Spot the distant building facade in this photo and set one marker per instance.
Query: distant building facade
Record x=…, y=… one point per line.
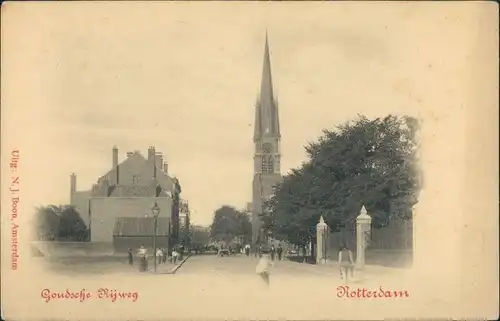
x=200, y=235
x=128, y=190
x=184, y=214
x=132, y=232
x=267, y=151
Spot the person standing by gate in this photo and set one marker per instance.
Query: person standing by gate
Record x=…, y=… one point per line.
x=346, y=263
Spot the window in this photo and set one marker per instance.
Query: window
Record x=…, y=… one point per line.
x=135, y=179
x=264, y=164
x=267, y=164
x=270, y=164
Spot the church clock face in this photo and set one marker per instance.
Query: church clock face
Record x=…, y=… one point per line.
x=267, y=148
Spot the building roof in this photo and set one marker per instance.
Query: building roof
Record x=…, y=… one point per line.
x=140, y=226
x=137, y=160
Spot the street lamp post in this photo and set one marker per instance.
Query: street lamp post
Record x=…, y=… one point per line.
x=156, y=212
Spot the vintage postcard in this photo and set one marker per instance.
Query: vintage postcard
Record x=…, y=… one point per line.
x=249, y=160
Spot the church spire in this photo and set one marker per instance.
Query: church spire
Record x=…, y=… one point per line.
x=266, y=86
x=266, y=114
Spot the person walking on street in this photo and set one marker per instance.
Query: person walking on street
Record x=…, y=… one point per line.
x=273, y=252
x=175, y=255
x=247, y=249
x=143, y=257
x=130, y=257
x=159, y=255
x=165, y=254
x=346, y=263
x=181, y=252
x=262, y=268
x=280, y=252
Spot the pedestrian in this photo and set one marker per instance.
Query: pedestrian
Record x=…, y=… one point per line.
x=175, y=255
x=273, y=252
x=260, y=250
x=159, y=255
x=247, y=249
x=280, y=252
x=181, y=252
x=130, y=257
x=262, y=268
x=165, y=254
x=143, y=257
x=346, y=263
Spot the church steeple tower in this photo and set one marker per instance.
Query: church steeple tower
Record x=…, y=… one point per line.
x=267, y=145
x=266, y=111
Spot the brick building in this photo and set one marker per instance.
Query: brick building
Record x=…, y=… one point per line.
x=128, y=190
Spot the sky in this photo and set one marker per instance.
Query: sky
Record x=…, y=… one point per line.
x=184, y=77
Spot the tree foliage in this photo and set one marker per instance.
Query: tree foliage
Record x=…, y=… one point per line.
x=47, y=222
x=363, y=162
x=61, y=222
x=229, y=223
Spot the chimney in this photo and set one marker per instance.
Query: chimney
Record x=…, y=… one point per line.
x=159, y=160
x=165, y=167
x=151, y=153
x=116, y=177
x=72, y=184
x=105, y=186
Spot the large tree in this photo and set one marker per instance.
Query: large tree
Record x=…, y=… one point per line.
x=71, y=226
x=363, y=162
x=60, y=222
x=47, y=222
x=229, y=223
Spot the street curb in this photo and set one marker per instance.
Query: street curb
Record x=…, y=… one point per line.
x=179, y=266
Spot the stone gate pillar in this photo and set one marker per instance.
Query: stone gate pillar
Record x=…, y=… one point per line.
x=363, y=226
x=321, y=241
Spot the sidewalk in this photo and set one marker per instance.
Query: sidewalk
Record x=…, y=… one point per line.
x=168, y=268
x=369, y=274
x=332, y=264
